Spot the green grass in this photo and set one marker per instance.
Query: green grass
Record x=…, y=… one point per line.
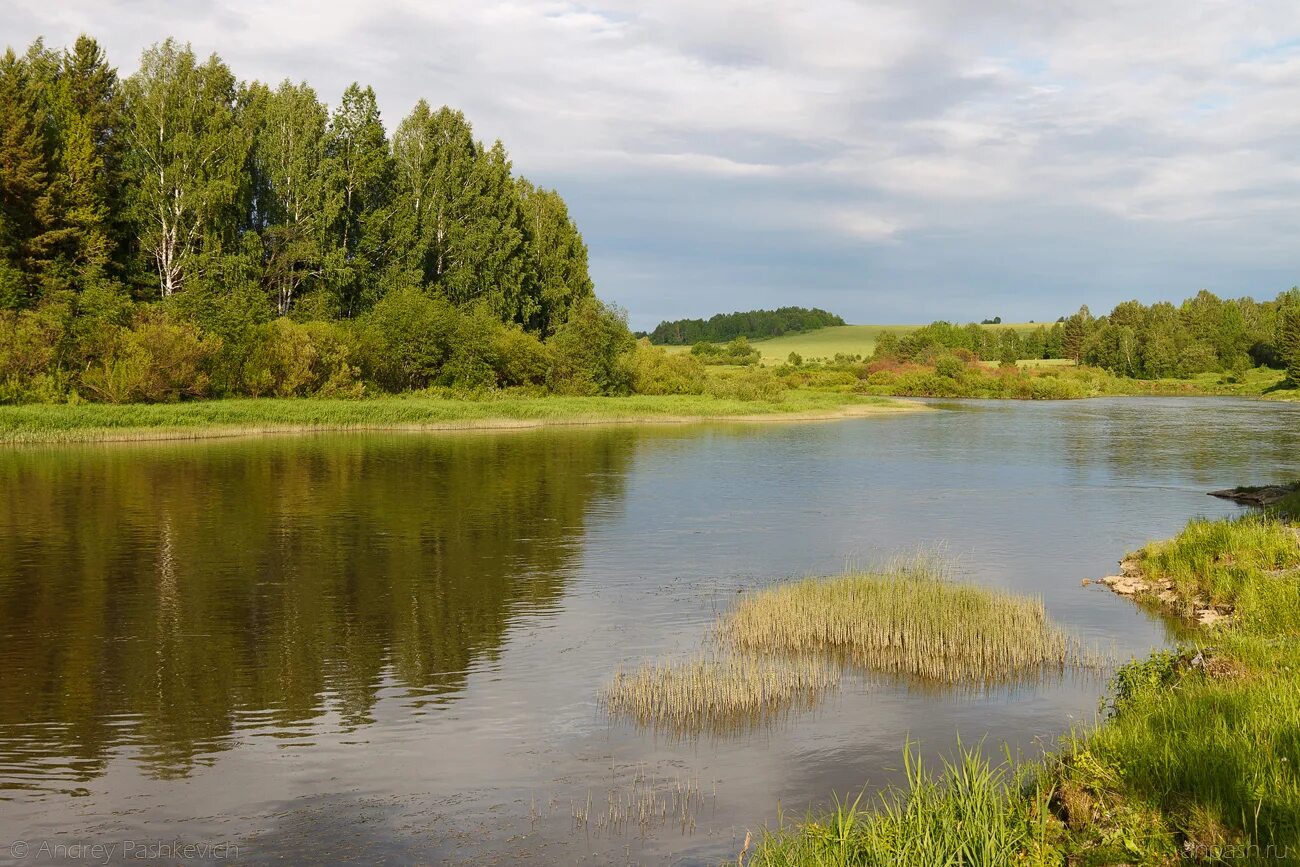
x=1196, y=758
x=972, y=812
x=36, y=423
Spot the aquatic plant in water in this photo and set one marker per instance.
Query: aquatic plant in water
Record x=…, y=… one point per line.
x=784, y=647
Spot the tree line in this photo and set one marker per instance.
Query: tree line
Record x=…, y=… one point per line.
x=180, y=221
x=751, y=324
x=1202, y=334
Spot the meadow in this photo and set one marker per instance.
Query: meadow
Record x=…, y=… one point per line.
x=826, y=343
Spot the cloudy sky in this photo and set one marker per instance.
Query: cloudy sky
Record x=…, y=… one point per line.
x=890, y=161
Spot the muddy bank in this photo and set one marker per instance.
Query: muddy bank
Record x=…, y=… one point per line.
x=1260, y=496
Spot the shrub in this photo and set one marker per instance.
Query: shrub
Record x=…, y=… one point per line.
x=948, y=366
x=752, y=384
x=521, y=358
x=654, y=371
x=157, y=360
x=588, y=351
x=737, y=351
x=290, y=359
x=29, y=341
x=405, y=339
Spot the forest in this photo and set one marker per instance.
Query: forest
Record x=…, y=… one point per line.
x=1204, y=334
x=182, y=233
x=751, y=324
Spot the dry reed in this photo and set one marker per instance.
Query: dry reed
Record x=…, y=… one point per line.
x=717, y=693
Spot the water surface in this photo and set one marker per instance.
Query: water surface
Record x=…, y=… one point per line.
x=352, y=647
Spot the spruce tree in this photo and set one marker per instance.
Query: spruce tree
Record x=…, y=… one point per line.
x=86, y=188
x=494, y=243
x=24, y=182
x=1288, y=340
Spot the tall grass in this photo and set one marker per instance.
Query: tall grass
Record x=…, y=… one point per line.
x=782, y=648
x=971, y=813
x=1250, y=565
x=911, y=621
x=717, y=693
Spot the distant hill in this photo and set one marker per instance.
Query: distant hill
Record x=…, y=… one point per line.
x=753, y=324
x=826, y=343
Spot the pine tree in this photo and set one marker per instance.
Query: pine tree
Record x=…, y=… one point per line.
x=187, y=160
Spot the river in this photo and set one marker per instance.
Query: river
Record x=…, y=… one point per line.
x=376, y=648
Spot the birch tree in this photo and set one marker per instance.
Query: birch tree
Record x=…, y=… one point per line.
x=361, y=169
x=295, y=196
x=556, y=254
x=187, y=158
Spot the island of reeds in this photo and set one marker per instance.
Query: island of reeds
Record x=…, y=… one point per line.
x=783, y=647
x=1193, y=761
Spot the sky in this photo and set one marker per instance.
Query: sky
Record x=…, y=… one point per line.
x=890, y=161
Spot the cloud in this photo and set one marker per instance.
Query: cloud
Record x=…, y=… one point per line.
x=850, y=154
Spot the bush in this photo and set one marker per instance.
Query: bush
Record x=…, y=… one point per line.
x=752, y=384
x=290, y=359
x=948, y=366
x=737, y=351
x=29, y=341
x=588, y=351
x=405, y=339
x=521, y=358
x=157, y=360
x=654, y=371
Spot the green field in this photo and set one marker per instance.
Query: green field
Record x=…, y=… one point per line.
x=825, y=343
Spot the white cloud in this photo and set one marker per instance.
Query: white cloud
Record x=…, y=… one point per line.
x=959, y=115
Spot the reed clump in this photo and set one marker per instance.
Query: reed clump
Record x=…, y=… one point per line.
x=781, y=649
x=717, y=693
x=911, y=621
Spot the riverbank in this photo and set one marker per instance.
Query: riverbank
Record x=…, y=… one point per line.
x=56, y=423
x=1195, y=759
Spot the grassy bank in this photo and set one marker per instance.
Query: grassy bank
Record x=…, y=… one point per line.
x=1195, y=759
x=37, y=423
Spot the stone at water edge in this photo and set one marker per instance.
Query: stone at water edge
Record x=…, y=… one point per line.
x=1125, y=585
